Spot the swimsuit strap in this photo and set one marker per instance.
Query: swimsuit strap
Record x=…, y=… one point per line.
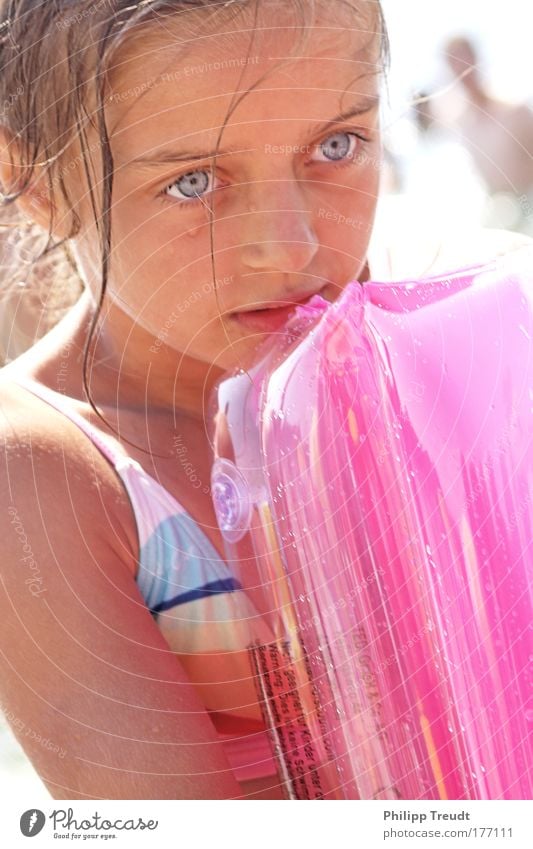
x=108, y=445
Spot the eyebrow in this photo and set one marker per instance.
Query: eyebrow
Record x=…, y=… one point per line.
x=165, y=156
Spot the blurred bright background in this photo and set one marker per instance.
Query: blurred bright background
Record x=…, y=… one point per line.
x=419, y=30
x=456, y=163
x=464, y=157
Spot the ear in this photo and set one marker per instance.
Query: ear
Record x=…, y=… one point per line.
x=35, y=202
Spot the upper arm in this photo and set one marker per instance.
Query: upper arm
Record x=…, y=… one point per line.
x=93, y=693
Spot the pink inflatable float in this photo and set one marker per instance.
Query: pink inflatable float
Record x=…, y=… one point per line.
x=373, y=482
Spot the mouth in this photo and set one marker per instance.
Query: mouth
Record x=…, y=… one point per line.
x=271, y=316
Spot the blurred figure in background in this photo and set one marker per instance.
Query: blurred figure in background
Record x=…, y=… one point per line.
x=499, y=136
x=430, y=187
x=440, y=170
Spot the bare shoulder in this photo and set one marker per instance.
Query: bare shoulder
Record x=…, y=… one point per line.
x=50, y=463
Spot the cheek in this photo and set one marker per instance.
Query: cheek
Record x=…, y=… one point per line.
x=345, y=225
x=344, y=229
x=153, y=248
x=158, y=239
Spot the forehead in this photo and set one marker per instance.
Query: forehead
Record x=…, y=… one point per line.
x=179, y=80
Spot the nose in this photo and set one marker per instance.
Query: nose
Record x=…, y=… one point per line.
x=277, y=234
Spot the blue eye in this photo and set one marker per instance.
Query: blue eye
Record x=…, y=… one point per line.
x=191, y=187
x=340, y=147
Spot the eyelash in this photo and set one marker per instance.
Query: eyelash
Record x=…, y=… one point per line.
x=162, y=195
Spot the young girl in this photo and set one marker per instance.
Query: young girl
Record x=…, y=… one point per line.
x=209, y=165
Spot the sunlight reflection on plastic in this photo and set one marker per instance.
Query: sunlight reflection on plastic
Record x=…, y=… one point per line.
x=383, y=448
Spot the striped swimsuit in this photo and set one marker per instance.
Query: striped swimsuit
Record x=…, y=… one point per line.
x=196, y=601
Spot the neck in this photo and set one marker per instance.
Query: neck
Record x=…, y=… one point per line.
x=122, y=373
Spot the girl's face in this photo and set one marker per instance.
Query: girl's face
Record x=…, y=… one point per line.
x=292, y=192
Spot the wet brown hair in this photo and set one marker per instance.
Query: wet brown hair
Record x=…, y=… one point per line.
x=56, y=56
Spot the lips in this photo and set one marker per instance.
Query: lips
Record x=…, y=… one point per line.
x=280, y=303
x=271, y=316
